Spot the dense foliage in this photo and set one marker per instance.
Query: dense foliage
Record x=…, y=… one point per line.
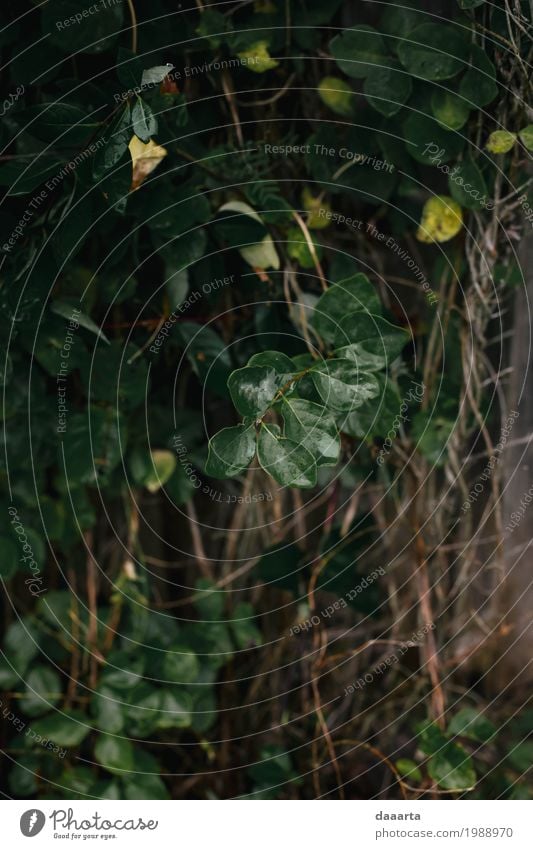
x=239, y=246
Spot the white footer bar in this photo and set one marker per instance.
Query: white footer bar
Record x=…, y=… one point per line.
x=268, y=825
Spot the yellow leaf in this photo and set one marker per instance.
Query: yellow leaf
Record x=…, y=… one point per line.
x=336, y=94
x=442, y=218
x=316, y=211
x=501, y=141
x=257, y=58
x=145, y=158
x=526, y=136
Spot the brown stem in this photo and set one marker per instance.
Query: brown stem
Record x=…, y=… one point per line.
x=92, y=627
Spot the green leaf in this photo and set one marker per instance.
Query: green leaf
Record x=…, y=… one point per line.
x=431, y=437
x=351, y=295
x=387, y=89
x=122, y=671
x=230, y=451
x=252, y=389
x=67, y=731
x=434, y=52
x=467, y=185
x=470, y=4
x=450, y=110
x=142, y=712
x=116, y=139
x=451, y=767
x=180, y=666
x=526, y=136
x=64, y=307
x=89, y=33
x=342, y=385
x=60, y=123
x=139, y=786
x=313, y=427
x=209, y=600
x=369, y=340
x=471, y=724
x=237, y=224
x=478, y=85
x=152, y=469
x=299, y=250
x=428, y=142
x=22, y=777
x=357, y=50
x=21, y=644
x=263, y=254
x=9, y=558
x=289, y=463
x=175, y=710
x=375, y=417
x=143, y=122
x=521, y=756
x=281, y=363
x=43, y=690
x=207, y=354
x=116, y=375
x=409, y=770
x=108, y=711
x=242, y=624
x=500, y=141
x=23, y=177
x=144, y=782
x=399, y=21
x=8, y=676
x=114, y=753
x=337, y=95
x=92, y=446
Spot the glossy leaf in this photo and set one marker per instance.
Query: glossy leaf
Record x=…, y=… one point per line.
x=230, y=451
x=313, y=427
x=144, y=124
x=351, y=295
x=369, y=340
x=289, y=463
x=115, y=143
x=342, y=386
x=253, y=389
